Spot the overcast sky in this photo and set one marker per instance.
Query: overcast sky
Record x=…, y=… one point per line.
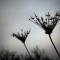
x=14, y=15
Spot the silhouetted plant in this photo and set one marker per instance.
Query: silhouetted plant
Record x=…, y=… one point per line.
x=37, y=53
x=22, y=37
x=40, y=55
x=47, y=24
x=7, y=55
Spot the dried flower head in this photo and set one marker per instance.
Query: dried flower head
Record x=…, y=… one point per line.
x=48, y=24
x=22, y=37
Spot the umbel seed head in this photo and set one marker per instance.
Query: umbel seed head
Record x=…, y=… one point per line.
x=22, y=37
x=48, y=24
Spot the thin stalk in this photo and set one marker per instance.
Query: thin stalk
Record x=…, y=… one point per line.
x=27, y=50
x=54, y=46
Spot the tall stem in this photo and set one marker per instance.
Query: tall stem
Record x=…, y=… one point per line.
x=27, y=50
x=54, y=46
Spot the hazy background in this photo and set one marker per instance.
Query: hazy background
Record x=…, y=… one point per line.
x=14, y=15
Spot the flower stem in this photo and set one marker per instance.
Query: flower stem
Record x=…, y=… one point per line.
x=54, y=46
x=27, y=50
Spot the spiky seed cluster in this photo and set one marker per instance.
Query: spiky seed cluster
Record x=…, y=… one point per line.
x=48, y=23
x=22, y=37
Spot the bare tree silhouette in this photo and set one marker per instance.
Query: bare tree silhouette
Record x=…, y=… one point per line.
x=22, y=37
x=47, y=25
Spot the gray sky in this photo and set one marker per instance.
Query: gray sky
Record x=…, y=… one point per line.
x=14, y=15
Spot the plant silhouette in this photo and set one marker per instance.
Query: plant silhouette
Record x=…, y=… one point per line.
x=22, y=37
x=47, y=24
x=40, y=55
x=7, y=55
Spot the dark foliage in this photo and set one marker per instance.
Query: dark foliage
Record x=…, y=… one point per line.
x=6, y=55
